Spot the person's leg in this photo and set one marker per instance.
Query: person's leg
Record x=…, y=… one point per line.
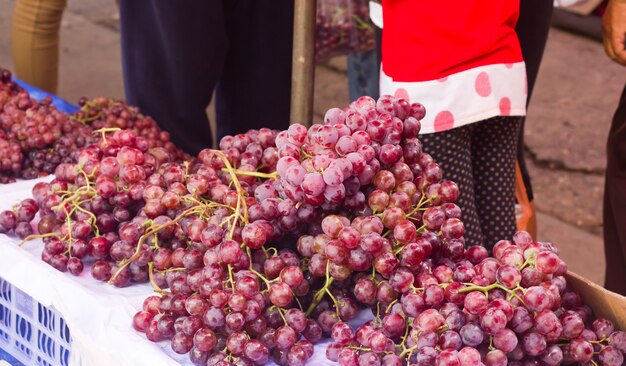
x=172, y=56
x=364, y=72
x=452, y=151
x=254, y=90
x=35, y=42
x=615, y=203
x=363, y=75
x=532, y=30
x=494, y=149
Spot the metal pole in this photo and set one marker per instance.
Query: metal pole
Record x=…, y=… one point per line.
x=303, y=62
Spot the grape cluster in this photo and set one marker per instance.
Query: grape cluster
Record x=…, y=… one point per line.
x=10, y=152
x=342, y=27
x=35, y=137
x=27, y=127
x=262, y=248
x=85, y=210
x=330, y=167
x=33, y=125
x=10, y=158
x=103, y=112
x=376, y=225
x=75, y=136
x=472, y=309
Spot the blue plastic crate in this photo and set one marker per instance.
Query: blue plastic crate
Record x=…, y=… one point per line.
x=30, y=332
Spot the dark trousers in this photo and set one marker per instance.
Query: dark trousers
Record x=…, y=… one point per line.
x=615, y=202
x=532, y=30
x=175, y=54
x=480, y=159
x=364, y=71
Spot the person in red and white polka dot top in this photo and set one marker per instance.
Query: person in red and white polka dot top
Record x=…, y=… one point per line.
x=462, y=61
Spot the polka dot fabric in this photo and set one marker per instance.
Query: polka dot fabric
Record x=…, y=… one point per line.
x=465, y=97
x=452, y=150
x=480, y=158
x=483, y=85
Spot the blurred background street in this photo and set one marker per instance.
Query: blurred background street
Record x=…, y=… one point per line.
x=576, y=93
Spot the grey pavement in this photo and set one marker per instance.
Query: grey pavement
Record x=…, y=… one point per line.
x=575, y=95
x=577, y=90
x=90, y=52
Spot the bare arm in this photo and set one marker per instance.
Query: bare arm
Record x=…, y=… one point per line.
x=614, y=31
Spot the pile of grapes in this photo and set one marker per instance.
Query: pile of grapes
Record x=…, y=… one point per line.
x=27, y=129
x=35, y=137
x=104, y=113
x=260, y=249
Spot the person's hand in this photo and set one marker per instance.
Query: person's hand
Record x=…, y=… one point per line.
x=614, y=31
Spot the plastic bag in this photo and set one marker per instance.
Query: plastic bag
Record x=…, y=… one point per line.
x=342, y=27
x=525, y=209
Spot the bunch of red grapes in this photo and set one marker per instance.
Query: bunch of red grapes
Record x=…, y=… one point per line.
x=467, y=308
x=262, y=248
x=342, y=27
x=35, y=137
x=26, y=127
x=102, y=113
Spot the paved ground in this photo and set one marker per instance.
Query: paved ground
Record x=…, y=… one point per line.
x=568, y=121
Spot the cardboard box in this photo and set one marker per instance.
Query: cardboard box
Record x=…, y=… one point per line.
x=604, y=303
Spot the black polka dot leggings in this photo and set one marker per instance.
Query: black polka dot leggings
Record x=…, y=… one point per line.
x=480, y=158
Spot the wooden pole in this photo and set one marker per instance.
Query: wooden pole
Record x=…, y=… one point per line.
x=303, y=62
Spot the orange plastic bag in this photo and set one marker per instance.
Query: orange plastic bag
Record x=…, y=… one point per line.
x=526, y=216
